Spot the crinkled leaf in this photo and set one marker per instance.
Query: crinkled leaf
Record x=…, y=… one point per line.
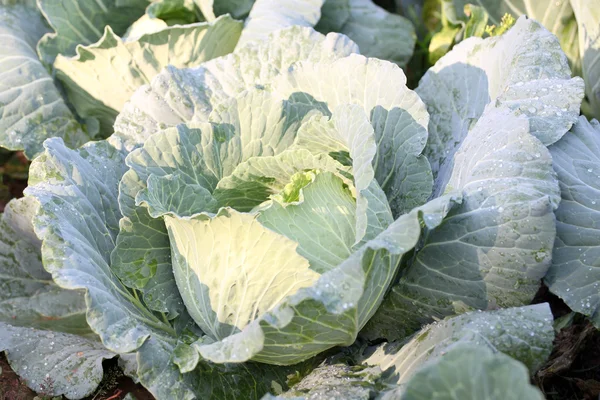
x=54, y=363
x=524, y=70
x=377, y=33
x=588, y=21
x=575, y=272
x=268, y=16
x=255, y=180
x=396, y=113
x=470, y=372
x=254, y=124
x=491, y=251
x=31, y=106
x=182, y=95
x=103, y=76
x=82, y=22
x=524, y=333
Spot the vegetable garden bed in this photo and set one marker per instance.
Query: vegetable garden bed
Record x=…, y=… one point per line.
x=314, y=199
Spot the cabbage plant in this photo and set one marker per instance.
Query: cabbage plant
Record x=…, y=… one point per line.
x=274, y=194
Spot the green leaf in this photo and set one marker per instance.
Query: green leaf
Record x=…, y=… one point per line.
x=524, y=333
x=268, y=16
x=492, y=250
x=398, y=117
x=377, y=33
x=82, y=22
x=588, y=21
x=552, y=14
x=575, y=274
x=28, y=296
x=103, y=76
x=238, y=9
x=182, y=95
x=31, y=106
x=535, y=82
x=54, y=363
x=477, y=22
x=471, y=372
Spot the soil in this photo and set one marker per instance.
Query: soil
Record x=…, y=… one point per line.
x=573, y=370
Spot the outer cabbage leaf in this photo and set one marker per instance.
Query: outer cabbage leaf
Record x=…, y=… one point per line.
x=78, y=223
x=524, y=70
x=575, y=272
x=494, y=249
x=188, y=95
x=377, y=33
x=470, y=372
x=103, y=76
x=28, y=296
x=425, y=367
x=524, y=333
x=71, y=363
x=31, y=106
x=82, y=22
x=588, y=20
x=268, y=16
x=398, y=117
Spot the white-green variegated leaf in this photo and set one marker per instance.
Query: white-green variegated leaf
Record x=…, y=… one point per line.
x=54, y=363
x=28, y=296
x=31, y=107
x=377, y=33
x=469, y=372
x=102, y=77
x=332, y=310
x=524, y=333
x=188, y=95
x=225, y=294
x=398, y=117
x=78, y=224
x=492, y=250
x=575, y=272
x=524, y=70
x=588, y=21
x=82, y=22
x=268, y=16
